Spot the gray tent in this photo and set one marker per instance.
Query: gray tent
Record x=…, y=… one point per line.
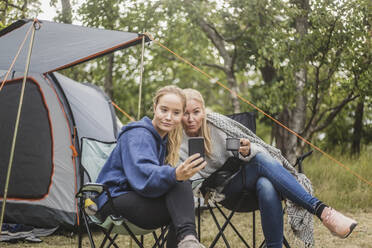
x=56, y=113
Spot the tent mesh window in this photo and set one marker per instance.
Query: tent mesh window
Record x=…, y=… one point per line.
x=32, y=164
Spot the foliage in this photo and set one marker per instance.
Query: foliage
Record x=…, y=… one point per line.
x=12, y=10
x=267, y=51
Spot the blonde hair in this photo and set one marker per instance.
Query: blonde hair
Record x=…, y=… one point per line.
x=204, y=132
x=174, y=136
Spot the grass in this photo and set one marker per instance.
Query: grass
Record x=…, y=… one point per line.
x=332, y=184
x=360, y=238
x=337, y=186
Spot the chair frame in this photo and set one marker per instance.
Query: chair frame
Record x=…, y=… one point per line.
x=97, y=189
x=227, y=218
x=115, y=219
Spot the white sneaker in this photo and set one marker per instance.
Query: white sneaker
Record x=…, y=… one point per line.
x=190, y=241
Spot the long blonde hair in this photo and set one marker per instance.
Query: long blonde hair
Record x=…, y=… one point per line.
x=174, y=136
x=204, y=132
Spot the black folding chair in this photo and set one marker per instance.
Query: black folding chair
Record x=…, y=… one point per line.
x=94, y=155
x=245, y=201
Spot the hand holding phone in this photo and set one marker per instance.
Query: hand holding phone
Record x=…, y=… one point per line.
x=190, y=167
x=195, y=162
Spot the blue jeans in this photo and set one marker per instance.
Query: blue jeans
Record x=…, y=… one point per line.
x=271, y=181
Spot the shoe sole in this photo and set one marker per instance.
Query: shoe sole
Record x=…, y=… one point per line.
x=351, y=229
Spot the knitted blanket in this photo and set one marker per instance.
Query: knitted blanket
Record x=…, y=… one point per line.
x=300, y=220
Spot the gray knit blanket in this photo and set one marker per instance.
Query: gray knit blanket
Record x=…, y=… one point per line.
x=300, y=220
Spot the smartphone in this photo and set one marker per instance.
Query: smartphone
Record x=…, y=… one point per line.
x=196, y=145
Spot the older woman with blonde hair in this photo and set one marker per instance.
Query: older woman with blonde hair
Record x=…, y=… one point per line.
x=146, y=187
x=266, y=172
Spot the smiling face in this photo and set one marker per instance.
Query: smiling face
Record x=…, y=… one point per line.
x=168, y=113
x=193, y=117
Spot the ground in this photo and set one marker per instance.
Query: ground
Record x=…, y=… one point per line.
x=360, y=238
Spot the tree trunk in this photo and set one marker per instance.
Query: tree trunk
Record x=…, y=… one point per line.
x=280, y=134
x=295, y=118
x=3, y=18
x=228, y=58
x=109, y=89
x=358, y=128
x=234, y=87
x=66, y=16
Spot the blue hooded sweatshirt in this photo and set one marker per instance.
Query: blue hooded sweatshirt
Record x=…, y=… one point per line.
x=137, y=163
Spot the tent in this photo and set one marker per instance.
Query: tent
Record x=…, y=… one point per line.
x=56, y=113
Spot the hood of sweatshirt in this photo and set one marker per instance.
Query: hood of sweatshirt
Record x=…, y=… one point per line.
x=145, y=122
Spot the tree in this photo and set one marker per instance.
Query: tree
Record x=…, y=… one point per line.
x=12, y=10
x=296, y=60
x=298, y=48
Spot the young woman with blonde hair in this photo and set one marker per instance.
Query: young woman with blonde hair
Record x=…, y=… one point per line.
x=267, y=173
x=146, y=188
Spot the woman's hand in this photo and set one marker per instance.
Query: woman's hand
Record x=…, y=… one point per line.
x=192, y=165
x=245, y=147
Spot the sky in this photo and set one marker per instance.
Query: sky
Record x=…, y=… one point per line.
x=48, y=12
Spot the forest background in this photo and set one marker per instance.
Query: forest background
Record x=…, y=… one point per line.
x=305, y=63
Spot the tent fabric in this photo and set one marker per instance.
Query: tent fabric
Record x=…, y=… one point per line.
x=56, y=113
x=57, y=205
x=45, y=174
x=58, y=45
x=91, y=109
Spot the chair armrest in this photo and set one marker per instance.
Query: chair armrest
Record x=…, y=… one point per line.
x=93, y=188
x=300, y=159
x=197, y=182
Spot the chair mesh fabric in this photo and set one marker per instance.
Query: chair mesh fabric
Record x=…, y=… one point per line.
x=94, y=155
x=120, y=229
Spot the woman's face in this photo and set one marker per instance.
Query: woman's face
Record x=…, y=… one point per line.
x=167, y=113
x=193, y=118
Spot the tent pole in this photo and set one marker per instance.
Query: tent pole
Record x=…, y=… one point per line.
x=141, y=77
x=35, y=22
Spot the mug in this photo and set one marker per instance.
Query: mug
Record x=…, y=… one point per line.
x=233, y=144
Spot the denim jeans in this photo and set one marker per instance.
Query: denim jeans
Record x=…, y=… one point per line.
x=271, y=181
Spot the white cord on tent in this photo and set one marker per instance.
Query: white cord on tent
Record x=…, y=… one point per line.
x=17, y=122
x=141, y=77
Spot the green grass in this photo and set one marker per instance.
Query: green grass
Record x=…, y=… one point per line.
x=336, y=185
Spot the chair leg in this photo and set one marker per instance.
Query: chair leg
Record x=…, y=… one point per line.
x=132, y=235
x=233, y=227
x=199, y=229
x=88, y=230
x=159, y=242
x=221, y=230
x=112, y=241
x=226, y=222
x=285, y=242
x=263, y=244
x=80, y=234
x=254, y=228
x=107, y=236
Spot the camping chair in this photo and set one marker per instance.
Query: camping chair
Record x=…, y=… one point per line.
x=245, y=201
x=93, y=156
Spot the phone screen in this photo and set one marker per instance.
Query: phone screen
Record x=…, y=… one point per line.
x=196, y=145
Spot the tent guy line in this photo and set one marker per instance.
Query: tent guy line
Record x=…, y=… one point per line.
x=261, y=111
x=16, y=56
x=27, y=66
x=57, y=112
